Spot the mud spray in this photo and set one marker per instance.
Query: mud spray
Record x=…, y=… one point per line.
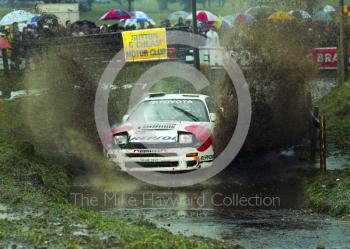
x=61, y=120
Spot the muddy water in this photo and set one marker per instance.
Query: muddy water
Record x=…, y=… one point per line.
x=257, y=203
x=290, y=229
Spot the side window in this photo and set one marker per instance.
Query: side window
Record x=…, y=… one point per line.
x=211, y=105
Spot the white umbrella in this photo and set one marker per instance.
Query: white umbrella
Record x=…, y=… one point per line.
x=130, y=22
x=177, y=14
x=141, y=16
x=19, y=16
x=329, y=8
x=229, y=18
x=300, y=14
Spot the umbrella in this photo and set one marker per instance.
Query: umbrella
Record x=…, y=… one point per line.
x=329, y=9
x=19, y=16
x=82, y=23
x=34, y=21
x=141, y=16
x=229, y=18
x=4, y=44
x=261, y=11
x=115, y=14
x=281, y=16
x=204, y=16
x=177, y=14
x=225, y=24
x=322, y=16
x=300, y=14
x=243, y=19
x=130, y=22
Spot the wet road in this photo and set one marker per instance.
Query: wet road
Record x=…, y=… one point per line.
x=258, y=203
x=289, y=229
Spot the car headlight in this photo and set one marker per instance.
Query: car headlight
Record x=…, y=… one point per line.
x=185, y=138
x=120, y=139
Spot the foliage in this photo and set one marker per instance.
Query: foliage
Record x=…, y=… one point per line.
x=28, y=179
x=330, y=193
x=336, y=108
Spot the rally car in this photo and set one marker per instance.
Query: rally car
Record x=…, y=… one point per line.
x=164, y=132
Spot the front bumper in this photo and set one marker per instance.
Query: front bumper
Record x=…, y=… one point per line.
x=170, y=160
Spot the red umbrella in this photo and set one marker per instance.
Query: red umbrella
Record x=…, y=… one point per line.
x=4, y=44
x=116, y=14
x=244, y=19
x=205, y=16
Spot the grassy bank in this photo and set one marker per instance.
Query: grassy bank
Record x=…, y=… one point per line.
x=336, y=108
x=34, y=210
x=330, y=192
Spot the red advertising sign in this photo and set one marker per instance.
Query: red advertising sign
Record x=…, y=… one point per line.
x=326, y=58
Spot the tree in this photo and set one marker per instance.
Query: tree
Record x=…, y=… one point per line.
x=187, y=4
x=163, y=4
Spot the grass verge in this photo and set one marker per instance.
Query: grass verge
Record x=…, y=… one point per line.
x=35, y=211
x=336, y=108
x=330, y=193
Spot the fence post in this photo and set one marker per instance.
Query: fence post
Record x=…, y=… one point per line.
x=323, y=147
x=313, y=133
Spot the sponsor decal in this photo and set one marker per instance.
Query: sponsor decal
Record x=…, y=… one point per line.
x=171, y=101
x=326, y=58
x=150, y=151
x=153, y=138
x=149, y=160
x=207, y=158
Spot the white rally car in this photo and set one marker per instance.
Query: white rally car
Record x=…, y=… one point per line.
x=164, y=132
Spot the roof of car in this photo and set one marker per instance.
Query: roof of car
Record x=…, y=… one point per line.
x=152, y=96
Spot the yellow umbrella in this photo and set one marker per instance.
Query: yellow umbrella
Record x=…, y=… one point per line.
x=281, y=16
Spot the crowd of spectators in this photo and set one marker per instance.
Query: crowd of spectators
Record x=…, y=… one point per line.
x=313, y=34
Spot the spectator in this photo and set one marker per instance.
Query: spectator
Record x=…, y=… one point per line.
x=213, y=44
x=166, y=24
x=180, y=23
x=142, y=25
x=150, y=26
x=68, y=27
x=47, y=32
x=104, y=29
x=77, y=32
x=188, y=25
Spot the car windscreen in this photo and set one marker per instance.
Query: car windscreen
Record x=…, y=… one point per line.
x=171, y=110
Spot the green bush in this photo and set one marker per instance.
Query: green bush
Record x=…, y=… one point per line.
x=336, y=108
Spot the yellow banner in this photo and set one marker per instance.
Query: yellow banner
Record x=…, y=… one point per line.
x=145, y=44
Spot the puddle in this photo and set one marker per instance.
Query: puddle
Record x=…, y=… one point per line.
x=257, y=203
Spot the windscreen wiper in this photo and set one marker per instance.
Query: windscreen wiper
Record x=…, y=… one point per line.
x=188, y=114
